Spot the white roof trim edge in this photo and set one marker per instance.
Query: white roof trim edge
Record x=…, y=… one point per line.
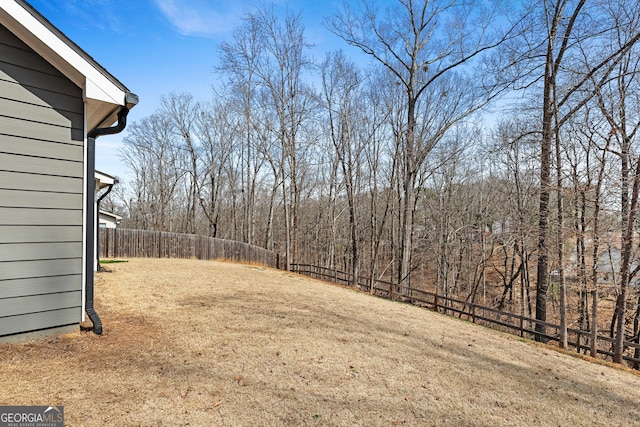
x=78, y=69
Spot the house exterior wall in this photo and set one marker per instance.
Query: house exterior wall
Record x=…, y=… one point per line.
x=41, y=192
x=105, y=221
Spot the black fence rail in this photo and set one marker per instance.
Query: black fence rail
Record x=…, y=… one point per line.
x=476, y=313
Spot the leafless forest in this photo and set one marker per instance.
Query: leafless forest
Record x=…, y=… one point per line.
x=488, y=150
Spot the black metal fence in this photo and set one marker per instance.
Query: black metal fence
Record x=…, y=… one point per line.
x=487, y=316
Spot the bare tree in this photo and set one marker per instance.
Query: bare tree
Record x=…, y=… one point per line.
x=422, y=44
x=151, y=152
x=514, y=151
x=214, y=128
x=379, y=168
x=570, y=65
x=618, y=102
x=587, y=160
x=182, y=111
x=280, y=73
x=341, y=81
x=240, y=62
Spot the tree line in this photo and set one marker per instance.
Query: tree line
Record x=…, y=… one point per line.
x=486, y=150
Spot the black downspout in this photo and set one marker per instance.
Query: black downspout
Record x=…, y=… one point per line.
x=90, y=212
x=98, y=229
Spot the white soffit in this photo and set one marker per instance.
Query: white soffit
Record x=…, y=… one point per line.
x=103, y=180
x=62, y=53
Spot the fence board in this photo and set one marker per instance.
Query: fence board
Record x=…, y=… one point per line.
x=127, y=243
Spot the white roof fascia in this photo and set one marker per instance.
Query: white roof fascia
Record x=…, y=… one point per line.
x=62, y=53
x=110, y=215
x=103, y=180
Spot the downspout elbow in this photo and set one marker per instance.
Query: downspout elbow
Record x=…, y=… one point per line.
x=117, y=128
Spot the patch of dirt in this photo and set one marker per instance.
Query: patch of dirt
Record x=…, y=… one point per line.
x=206, y=343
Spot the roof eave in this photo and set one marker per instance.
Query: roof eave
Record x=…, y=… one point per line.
x=103, y=93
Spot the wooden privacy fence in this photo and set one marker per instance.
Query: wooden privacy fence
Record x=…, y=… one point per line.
x=125, y=243
x=476, y=313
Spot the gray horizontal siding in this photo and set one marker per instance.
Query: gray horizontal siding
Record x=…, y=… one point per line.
x=12, y=89
x=9, y=39
x=38, y=199
x=20, y=59
x=45, y=114
x=32, y=181
x=20, y=54
x=34, y=130
x=37, y=148
x=37, y=165
x=20, y=216
x=40, y=269
x=39, y=251
x=41, y=192
x=38, y=303
x=36, y=81
x=39, y=285
x=35, y=321
x=40, y=234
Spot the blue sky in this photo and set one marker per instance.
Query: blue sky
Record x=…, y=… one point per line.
x=155, y=47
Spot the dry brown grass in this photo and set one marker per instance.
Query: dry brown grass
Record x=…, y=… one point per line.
x=207, y=343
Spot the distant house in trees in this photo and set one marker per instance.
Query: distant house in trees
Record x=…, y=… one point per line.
x=103, y=185
x=54, y=101
x=108, y=220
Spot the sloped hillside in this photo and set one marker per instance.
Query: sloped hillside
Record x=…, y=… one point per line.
x=205, y=343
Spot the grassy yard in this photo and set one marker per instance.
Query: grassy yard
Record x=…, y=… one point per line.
x=203, y=343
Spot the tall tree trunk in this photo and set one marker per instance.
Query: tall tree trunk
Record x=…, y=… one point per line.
x=562, y=283
x=627, y=249
x=543, y=218
x=549, y=111
x=406, y=235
